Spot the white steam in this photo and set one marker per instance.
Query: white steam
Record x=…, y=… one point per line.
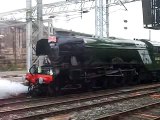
x=10, y=89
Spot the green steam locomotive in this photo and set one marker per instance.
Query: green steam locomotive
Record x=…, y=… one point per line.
x=89, y=63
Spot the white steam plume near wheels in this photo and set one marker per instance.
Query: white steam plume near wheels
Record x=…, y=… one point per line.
x=10, y=89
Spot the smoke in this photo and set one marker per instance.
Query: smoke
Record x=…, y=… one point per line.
x=10, y=89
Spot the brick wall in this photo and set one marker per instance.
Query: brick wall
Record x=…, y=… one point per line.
x=12, y=47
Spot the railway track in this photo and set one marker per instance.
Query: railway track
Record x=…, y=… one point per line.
x=41, y=108
x=121, y=115
x=23, y=98
x=151, y=112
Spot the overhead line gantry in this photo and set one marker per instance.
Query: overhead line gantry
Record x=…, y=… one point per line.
x=33, y=17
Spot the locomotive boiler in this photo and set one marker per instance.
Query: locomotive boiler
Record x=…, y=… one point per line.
x=89, y=63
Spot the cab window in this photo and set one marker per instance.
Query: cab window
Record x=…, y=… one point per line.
x=156, y=49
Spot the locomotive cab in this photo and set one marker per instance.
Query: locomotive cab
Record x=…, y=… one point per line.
x=154, y=51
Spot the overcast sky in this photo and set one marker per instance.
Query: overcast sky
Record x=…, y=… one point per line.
x=9, y=5
x=86, y=25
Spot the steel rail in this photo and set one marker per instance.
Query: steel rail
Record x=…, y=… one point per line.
x=116, y=116
x=97, y=94
x=158, y=118
x=68, y=110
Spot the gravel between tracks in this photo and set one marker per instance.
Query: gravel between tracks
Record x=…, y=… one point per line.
x=111, y=109
x=89, y=114
x=95, y=100
x=147, y=114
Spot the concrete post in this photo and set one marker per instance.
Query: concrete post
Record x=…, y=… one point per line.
x=29, y=34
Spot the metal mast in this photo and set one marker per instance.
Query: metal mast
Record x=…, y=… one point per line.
x=107, y=18
x=101, y=18
x=40, y=27
x=29, y=33
x=40, y=19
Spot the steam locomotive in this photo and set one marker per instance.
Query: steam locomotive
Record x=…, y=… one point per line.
x=88, y=63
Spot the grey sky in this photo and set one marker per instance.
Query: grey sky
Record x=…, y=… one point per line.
x=9, y=5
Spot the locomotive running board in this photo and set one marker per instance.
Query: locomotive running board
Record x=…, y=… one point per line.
x=70, y=87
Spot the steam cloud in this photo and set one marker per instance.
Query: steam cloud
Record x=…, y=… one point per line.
x=9, y=89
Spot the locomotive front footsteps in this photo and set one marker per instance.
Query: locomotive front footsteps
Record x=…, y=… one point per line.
x=87, y=63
